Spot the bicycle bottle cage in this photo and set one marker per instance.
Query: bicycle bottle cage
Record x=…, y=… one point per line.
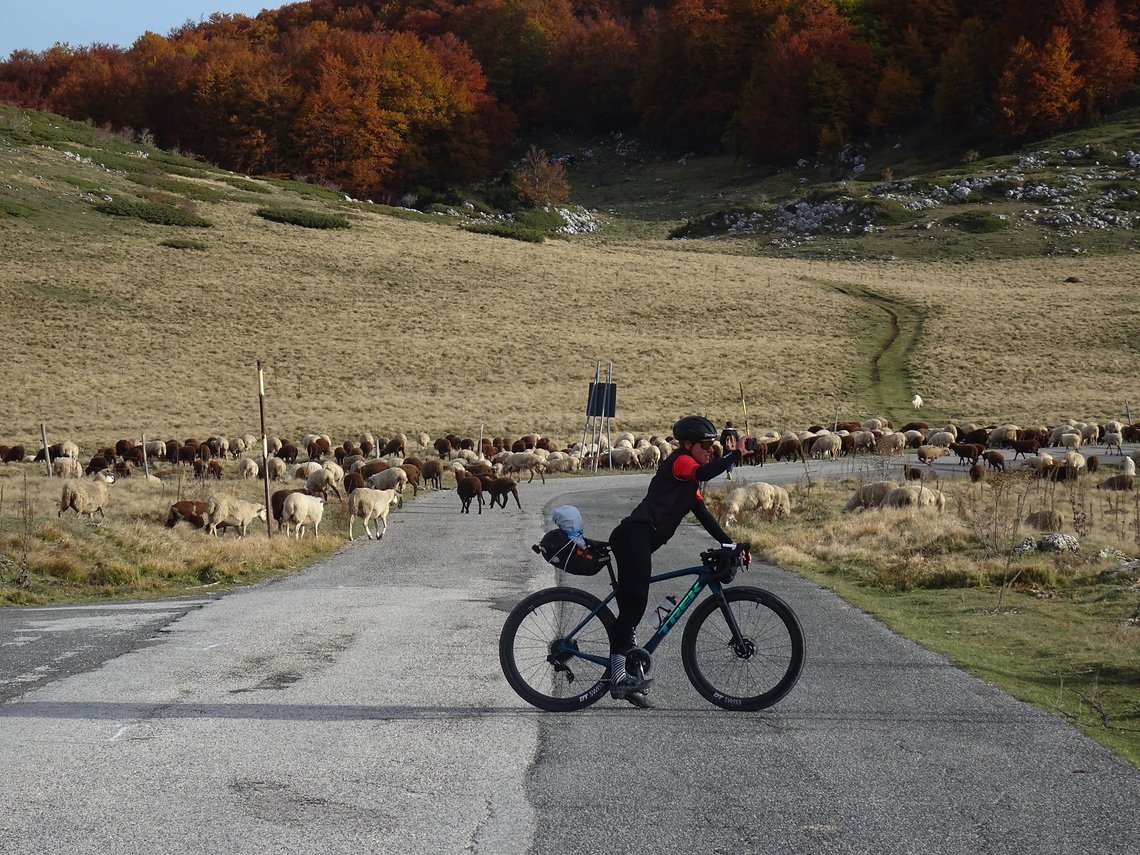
x=558, y=549
x=725, y=562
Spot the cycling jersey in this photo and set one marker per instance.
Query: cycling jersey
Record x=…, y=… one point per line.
x=675, y=491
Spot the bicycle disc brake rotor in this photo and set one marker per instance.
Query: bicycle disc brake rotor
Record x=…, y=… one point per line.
x=744, y=649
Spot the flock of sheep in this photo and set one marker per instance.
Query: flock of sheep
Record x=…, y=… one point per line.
x=372, y=475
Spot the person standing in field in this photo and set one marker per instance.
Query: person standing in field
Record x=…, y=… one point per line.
x=730, y=441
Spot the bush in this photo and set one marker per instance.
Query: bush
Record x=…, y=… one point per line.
x=152, y=212
x=541, y=181
x=305, y=218
x=11, y=209
x=978, y=222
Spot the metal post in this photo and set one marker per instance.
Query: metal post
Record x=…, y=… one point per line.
x=481, y=457
x=264, y=448
x=146, y=466
x=47, y=454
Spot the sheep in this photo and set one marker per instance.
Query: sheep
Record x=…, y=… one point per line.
x=413, y=473
x=864, y=440
x=1128, y=465
x=869, y=495
x=302, y=471
x=995, y=460
x=1092, y=464
x=469, y=487
x=372, y=467
x=499, y=488
x=275, y=466
x=1075, y=459
x=396, y=445
x=319, y=483
x=187, y=511
x=1040, y=462
x=277, y=503
x=889, y=443
x=1070, y=441
x=369, y=504
x=566, y=463
x=390, y=479
x=1045, y=520
x=929, y=453
x=223, y=510
x=433, y=473
x=966, y=451
x=16, y=454
x=301, y=511
x=66, y=467
x=525, y=461
x=214, y=469
x=86, y=496
x=1002, y=435
x=353, y=481
x=919, y=473
x=759, y=496
x=247, y=468
x=1114, y=440
x=1116, y=482
x=916, y=401
x=977, y=473
x=790, y=447
x=941, y=437
x=650, y=457
x=827, y=445
x=915, y=496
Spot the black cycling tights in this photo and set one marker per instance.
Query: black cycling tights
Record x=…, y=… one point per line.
x=633, y=545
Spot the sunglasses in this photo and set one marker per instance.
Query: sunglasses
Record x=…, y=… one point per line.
x=706, y=444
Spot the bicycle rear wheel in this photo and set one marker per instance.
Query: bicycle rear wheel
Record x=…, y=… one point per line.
x=755, y=671
x=545, y=661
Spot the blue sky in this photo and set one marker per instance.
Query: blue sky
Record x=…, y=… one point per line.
x=38, y=24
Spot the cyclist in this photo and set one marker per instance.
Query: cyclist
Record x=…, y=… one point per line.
x=673, y=492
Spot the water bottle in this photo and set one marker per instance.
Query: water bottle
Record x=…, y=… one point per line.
x=664, y=610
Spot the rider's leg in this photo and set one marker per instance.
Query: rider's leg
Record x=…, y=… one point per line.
x=632, y=545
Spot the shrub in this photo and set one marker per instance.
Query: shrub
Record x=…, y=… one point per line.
x=540, y=180
x=303, y=217
x=152, y=212
x=11, y=209
x=978, y=222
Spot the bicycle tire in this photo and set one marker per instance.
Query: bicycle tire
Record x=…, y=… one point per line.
x=525, y=645
x=760, y=675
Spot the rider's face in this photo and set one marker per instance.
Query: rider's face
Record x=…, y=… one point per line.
x=700, y=452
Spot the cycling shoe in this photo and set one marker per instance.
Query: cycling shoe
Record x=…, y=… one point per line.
x=625, y=688
x=640, y=699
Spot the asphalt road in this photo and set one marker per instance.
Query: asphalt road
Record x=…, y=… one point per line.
x=359, y=707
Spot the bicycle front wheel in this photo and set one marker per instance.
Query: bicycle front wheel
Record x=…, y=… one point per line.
x=553, y=653
x=752, y=671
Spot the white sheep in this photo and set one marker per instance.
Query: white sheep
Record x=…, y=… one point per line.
x=941, y=438
x=320, y=482
x=85, y=496
x=223, y=511
x=1075, y=459
x=1002, y=434
x=1114, y=440
x=1128, y=465
x=247, y=468
x=1041, y=460
x=869, y=495
x=392, y=479
x=889, y=443
x=67, y=448
x=650, y=457
x=826, y=445
x=66, y=467
x=301, y=511
x=759, y=496
x=369, y=504
x=1071, y=441
x=915, y=496
x=525, y=461
x=916, y=401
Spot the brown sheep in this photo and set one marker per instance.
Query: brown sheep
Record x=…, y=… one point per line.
x=1045, y=520
x=790, y=447
x=967, y=452
x=214, y=469
x=287, y=452
x=352, y=481
x=977, y=473
x=372, y=468
x=433, y=473
x=187, y=511
x=442, y=448
x=1116, y=482
x=1023, y=447
x=995, y=460
x=500, y=488
x=97, y=464
x=1093, y=463
x=469, y=488
x=413, y=477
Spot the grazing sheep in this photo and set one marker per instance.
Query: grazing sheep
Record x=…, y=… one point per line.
x=1075, y=459
x=66, y=467
x=919, y=473
x=1128, y=466
x=525, y=461
x=86, y=496
x=889, y=443
x=977, y=473
x=1045, y=520
x=372, y=467
x=187, y=511
x=1116, y=482
x=469, y=487
x=790, y=447
x=390, y=479
x=929, y=453
x=353, y=481
x=277, y=503
x=397, y=445
x=369, y=504
x=1070, y=440
x=1114, y=440
x=97, y=464
x=869, y=495
x=247, y=468
x=214, y=469
x=223, y=510
x=413, y=473
x=941, y=437
x=300, y=511
x=827, y=446
x=275, y=465
x=915, y=496
x=1093, y=463
x=320, y=482
x=995, y=460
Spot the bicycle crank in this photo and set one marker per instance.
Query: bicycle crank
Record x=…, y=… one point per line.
x=638, y=662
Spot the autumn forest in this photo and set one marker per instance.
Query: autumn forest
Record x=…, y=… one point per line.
x=380, y=97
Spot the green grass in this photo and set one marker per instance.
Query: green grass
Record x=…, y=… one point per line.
x=978, y=222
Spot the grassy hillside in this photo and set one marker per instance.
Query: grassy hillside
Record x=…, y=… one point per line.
x=142, y=287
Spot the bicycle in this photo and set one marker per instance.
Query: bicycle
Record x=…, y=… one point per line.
x=742, y=648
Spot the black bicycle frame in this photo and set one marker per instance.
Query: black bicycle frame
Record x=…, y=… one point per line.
x=699, y=584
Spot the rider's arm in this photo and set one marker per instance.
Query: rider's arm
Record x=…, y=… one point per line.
x=704, y=517
x=717, y=467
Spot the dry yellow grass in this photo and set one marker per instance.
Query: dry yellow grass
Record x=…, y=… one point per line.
x=398, y=325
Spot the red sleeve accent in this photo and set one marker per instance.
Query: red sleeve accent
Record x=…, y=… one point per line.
x=685, y=468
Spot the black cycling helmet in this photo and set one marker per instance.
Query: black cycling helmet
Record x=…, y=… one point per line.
x=694, y=429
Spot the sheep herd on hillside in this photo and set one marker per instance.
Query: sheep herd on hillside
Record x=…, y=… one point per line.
x=371, y=475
